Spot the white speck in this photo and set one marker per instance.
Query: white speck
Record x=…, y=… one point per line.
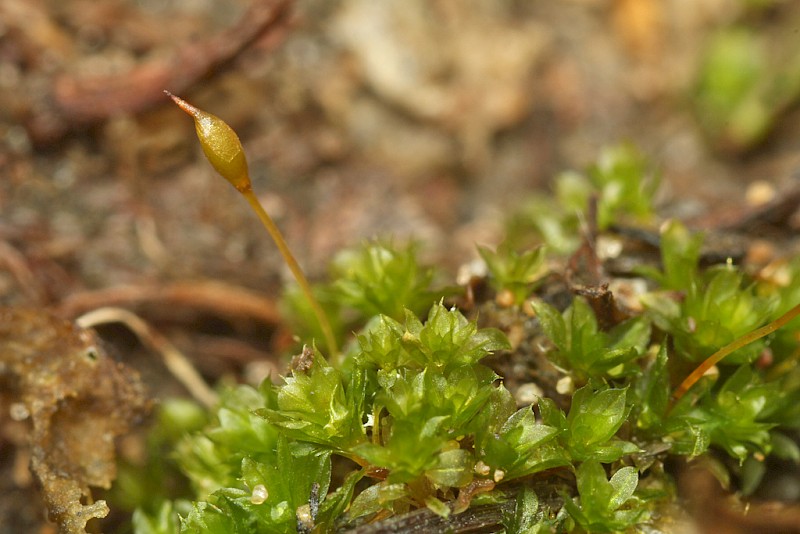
x=370, y=421
x=19, y=412
x=303, y=515
x=528, y=394
x=259, y=495
x=499, y=475
x=481, y=468
x=565, y=385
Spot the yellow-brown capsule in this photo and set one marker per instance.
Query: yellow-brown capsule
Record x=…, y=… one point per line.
x=220, y=144
x=224, y=151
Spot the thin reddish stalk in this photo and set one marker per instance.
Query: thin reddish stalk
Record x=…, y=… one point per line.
x=737, y=344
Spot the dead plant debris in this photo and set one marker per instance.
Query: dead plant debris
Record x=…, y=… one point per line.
x=77, y=399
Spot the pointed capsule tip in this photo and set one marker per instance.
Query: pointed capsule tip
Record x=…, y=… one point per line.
x=184, y=105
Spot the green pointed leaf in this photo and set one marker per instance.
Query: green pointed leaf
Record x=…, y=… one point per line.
x=594, y=418
x=516, y=272
x=552, y=322
x=384, y=279
x=437, y=507
x=652, y=390
x=314, y=405
x=525, y=516
x=454, y=469
x=593, y=487
x=376, y=497
x=624, y=483
x=448, y=339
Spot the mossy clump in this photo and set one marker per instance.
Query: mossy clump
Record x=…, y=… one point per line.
x=413, y=414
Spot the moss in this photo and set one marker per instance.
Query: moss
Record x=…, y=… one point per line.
x=414, y=416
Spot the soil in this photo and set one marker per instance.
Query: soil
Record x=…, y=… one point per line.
x=416, y=119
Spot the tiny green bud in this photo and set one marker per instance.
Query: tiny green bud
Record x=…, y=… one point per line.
x=220, y=144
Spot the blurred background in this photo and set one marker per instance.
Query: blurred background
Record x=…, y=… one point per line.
x=431, y=120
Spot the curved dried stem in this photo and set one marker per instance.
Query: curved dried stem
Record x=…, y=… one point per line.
x=178, y=364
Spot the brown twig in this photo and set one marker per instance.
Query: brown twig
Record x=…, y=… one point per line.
x=225, y=300
x=80, y=102
x=585, y=275
x=475, y=519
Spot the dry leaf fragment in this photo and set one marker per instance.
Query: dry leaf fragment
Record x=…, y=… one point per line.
x=78, y=401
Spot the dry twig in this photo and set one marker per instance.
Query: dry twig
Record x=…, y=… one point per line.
x=178, y=364
x=76, y=102
x=225, y=300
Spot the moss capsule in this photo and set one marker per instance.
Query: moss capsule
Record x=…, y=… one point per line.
x=220, y=144
x=224, y=151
